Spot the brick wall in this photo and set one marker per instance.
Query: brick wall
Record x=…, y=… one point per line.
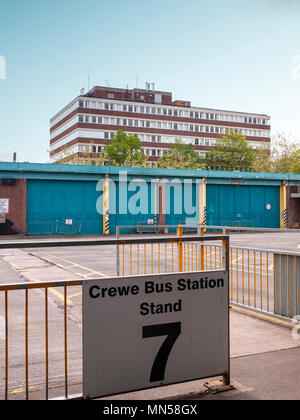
x=17, y=204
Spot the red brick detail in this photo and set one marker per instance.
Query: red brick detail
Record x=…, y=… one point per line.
x=134, y=115
x=17, y=203
x=97, y=142
x=160, y=132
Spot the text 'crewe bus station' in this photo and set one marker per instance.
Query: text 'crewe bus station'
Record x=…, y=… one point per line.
x=124, y=318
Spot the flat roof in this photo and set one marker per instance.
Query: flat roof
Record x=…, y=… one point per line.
x=89, y=95
x=85, y=172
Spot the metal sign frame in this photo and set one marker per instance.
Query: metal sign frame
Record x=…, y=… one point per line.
x=91, y=354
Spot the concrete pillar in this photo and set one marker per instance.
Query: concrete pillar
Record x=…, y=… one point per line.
x=202, y=203
x=106, y=206
x=283, y=206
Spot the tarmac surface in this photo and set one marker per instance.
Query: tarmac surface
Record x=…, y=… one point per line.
x=265, y=358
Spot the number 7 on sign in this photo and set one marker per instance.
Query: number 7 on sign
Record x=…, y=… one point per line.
x=172, y=331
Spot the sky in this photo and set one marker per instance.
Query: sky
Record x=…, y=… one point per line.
x=239, y=55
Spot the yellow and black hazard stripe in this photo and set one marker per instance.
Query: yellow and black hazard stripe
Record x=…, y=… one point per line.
x=204, y=217
x=284, y=217
x=106, y=226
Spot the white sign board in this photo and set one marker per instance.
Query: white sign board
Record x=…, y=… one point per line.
x=4, y=205
x=143, y=332
x=69, y=222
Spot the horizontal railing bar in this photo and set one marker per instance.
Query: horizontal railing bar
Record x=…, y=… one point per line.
x=237, y=228
x=146, y=225
x=266, y=250
x=63, y=283
x=281, y=318
x=42, y=285
x=110, y=241
x=246, y=229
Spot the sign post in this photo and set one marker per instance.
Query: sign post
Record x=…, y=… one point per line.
x=148, y=331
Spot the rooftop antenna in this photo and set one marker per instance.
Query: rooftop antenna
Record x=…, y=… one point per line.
x=137, y=81
x=150, y=85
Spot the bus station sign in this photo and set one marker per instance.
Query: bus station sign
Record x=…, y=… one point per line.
x=147, y=331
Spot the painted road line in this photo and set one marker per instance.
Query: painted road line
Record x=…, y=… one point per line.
x=264, y=317
x=22, y=390
x=236, y=259
x=54, y=292
x=19, y=267
x=80, y=266
x=75, y=295
x=11, y=263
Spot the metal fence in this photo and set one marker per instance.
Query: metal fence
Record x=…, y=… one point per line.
x=40, y=337
x=262, y=280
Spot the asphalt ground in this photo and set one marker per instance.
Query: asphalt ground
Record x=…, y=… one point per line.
x=256, y=368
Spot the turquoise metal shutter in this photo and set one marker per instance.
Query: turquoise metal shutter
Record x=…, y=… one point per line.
x=51, y=205
x=243, y=205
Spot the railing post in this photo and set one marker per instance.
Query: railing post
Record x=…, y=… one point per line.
x=225, y=251
x=202, y=251
x=118, y=252
x=180, y=255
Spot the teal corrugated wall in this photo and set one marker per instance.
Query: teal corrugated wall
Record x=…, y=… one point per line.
x=141, y=209
x=239, y=205
x=51, y=203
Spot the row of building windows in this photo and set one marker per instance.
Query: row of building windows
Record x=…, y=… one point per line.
x=92, y=119
x=146, y=151
x=145, y=138
x=172, y=112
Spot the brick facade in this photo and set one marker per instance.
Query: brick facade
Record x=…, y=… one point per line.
x=17, y=205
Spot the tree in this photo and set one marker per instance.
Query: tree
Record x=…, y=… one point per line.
x=231, y=153
x=124, y=150
x=263, y=159
x=181, y=156
x=282, y=156
x=295, y=162
x=283, y=153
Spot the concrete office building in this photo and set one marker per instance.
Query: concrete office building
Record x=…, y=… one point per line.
x=81, y=128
